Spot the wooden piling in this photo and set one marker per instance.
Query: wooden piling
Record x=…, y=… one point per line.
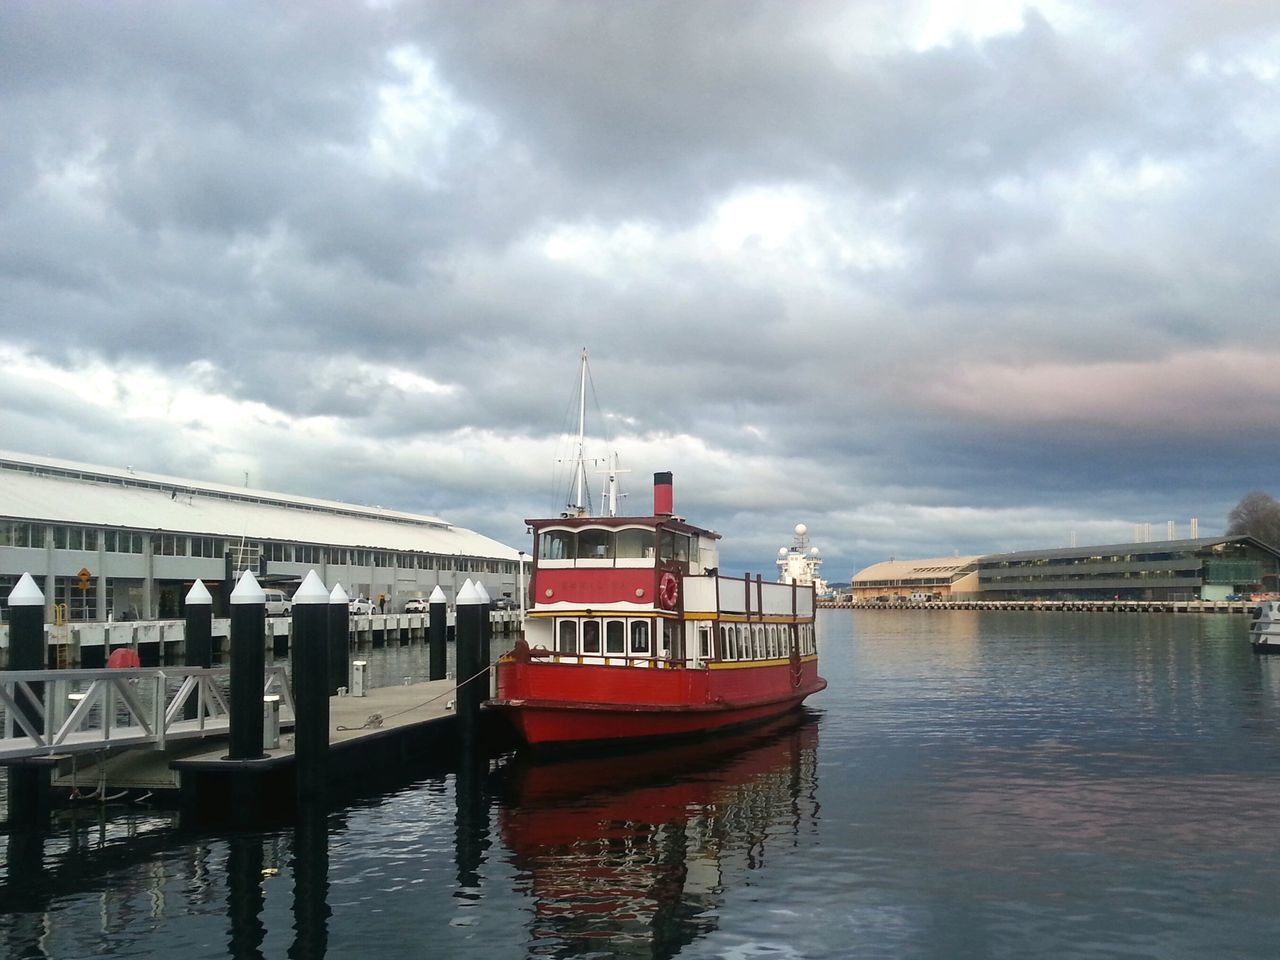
x=198, y=646
x=311, y=686
x=248, y=667
x=469, y=687
x=339, y=639
x=28, y=785
x=437, y=634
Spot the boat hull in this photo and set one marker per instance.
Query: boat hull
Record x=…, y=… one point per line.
x=571, y=704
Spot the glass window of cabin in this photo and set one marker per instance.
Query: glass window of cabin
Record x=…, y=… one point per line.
x=744, y=641
x=773, y=640
x=666, y=545
x=757, y=645
x=726, y=648
x=682, y=547
x=567, y=637
x=704, y=640
x=595, y=545
x=615, y=637
x=590, y=636
x=672, y=630
x=639, y=638
x=634, y=544
x=556, y=545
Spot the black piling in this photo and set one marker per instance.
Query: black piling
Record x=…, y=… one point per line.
x=28, y=793
x=486, y=640
x=437, y=636
x=311, y=910
x=339, y=640
x=468, y=687
x=248, y=668
x=311, y=687
x=198, y=647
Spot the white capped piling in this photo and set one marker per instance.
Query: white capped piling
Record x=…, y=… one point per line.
x=248, y=667
x=310, y=658
x=469, y=686
x=339, y=639
x=197, y=648
x=437, y=634
x=486, y=641
x=28, y=785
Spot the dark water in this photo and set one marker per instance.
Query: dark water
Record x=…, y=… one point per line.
x=972, y=784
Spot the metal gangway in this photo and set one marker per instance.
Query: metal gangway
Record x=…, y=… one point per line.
x=82, y=711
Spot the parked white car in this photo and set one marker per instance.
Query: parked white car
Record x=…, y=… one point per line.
x=278, y=603
x=362, y=606
x=417, y=605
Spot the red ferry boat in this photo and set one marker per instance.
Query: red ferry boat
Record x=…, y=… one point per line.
x=633, y=634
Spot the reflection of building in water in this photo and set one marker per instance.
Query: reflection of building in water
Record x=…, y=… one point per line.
x=638, y=850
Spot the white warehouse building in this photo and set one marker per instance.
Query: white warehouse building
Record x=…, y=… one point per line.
x=104, y=543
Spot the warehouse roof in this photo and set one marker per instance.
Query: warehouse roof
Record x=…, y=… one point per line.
x=61, y=491
x=915, y=569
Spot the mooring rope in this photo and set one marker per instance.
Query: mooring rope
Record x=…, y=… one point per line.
x=376, y=720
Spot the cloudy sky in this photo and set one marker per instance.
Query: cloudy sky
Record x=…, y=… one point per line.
x=929, y=279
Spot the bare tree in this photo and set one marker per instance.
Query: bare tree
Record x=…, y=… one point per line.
x=1256, y=515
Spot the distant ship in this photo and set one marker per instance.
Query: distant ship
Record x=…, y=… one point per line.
x=799, y=563
x=1264, y=628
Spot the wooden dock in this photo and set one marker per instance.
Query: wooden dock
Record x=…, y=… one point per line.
x=372, y=739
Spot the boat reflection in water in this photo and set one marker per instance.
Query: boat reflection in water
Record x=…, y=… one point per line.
x=639, y=849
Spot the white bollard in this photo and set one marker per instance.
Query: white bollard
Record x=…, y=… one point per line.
x=357, y=677
x=271, y=721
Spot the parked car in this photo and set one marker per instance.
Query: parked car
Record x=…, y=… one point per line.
x=505, y=603
x=417, y=605
x=278, y=603
x=362, y=606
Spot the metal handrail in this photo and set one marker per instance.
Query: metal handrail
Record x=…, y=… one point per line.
x=78, y=711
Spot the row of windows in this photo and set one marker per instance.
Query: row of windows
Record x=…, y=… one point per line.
x=762, y=641
x=629, y=543
x=632, y=637
x=1106, y=576
x=26, y=534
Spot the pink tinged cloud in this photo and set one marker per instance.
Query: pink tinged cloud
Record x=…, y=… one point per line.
x=1184, y=392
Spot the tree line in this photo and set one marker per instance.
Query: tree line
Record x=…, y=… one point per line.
x=1256, y=515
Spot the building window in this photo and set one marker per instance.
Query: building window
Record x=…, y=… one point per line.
x=308, y=553
x=21, y=535
x=169, y=545
x=121, y=541
x=206, y=547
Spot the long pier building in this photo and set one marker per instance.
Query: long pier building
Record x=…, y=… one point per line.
x=111, y=544
x=1202, y=569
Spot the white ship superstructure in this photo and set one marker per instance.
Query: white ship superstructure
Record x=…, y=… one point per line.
x=799, y=563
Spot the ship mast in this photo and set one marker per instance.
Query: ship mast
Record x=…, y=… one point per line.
x=580, y=480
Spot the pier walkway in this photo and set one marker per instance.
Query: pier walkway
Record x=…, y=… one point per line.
x=1080, y=606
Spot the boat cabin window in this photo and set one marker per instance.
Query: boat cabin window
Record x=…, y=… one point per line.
x=704, y=640
x=567, y=637
x=773, y=641
x=595, y=545
x=634, y=544
x=640, y=638
x=556, y=545
x=615, y=637
x=744, y=642
x=674, y=546
x=672, y=633
x=590, y=636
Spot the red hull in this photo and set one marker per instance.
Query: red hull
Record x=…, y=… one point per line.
x=576, y=703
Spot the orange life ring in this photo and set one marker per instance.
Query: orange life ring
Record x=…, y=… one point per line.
x=668, y=591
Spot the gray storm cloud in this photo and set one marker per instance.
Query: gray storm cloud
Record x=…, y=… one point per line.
x=930, y=280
